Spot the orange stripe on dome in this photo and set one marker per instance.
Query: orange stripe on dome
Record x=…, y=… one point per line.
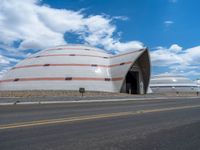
x=74, y=65
x=120, y=64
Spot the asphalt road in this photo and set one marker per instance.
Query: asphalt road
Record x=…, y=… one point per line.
x=172, y=124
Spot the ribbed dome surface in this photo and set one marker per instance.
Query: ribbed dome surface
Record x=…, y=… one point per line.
x=172, y=83
x=171, y=80
x=70, y=67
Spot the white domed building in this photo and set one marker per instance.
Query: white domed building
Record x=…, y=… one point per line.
x=198, y=84
x=172, y=83
x=71, y=67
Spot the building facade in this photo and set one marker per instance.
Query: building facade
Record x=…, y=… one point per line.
x=71, y=67
x=172, y=83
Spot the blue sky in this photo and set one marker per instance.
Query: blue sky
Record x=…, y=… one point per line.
x=169, y=28
x=146, y=19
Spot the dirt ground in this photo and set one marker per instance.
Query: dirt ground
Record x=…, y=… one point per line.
x=44, y=93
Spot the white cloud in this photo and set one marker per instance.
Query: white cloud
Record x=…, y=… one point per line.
x=4, y=60
x=5, y=63
x=124, y=18
x=3, y=71
x=192, y=55
x=186, y=70
x=189, y=74
x=36, y=26
x=166, y=56
x=175, y=48
x=39, y=26
x=7, y=60
x=123, y=46
x=162, y=56
x=168, y=23
x=179, y=61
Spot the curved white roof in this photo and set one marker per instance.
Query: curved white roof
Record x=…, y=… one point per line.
x=172, y=83
x=70, y=67
x=198, y=82
x=171, y=80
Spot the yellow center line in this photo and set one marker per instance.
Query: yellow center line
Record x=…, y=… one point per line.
x=90, y=117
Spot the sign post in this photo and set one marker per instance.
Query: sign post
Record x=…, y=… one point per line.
x=82, y=90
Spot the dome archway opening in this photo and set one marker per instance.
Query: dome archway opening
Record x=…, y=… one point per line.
x=137, y=78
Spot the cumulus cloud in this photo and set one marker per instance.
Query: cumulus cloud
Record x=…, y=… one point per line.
x=175, y=48
x=5, y=63
x=179, y=61
x=175, y=54
x=167, y=56
x=3, y=60
x=192, y=55
x=39, y=26
x=29, y=25
x=2, y=72
x=7, y=60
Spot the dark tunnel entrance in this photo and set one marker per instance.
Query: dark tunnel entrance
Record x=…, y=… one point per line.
x=132, y=82
x=137, y=77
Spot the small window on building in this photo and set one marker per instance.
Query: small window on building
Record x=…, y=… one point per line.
x=107, y=79
x=46, y=64
x=68, y=78
x=16, y=79
x=94, y=65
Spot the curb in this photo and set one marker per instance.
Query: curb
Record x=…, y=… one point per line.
x=93, y=101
